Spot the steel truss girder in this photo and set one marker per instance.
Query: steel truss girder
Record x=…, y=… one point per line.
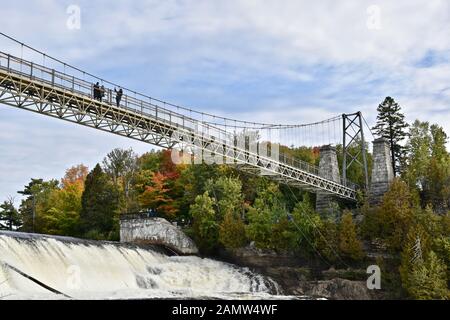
x=57, y=102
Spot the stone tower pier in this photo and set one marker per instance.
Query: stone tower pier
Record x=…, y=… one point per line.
x=329, y=169
x=382, y=171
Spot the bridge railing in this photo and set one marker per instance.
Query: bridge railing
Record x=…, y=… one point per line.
x=137, y=103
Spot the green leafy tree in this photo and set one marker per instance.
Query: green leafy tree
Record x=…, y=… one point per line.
x=121, y=166
x=227, y=195
x=192, y=181
x=418, y=147
x=267, y=219
x=349, y=244
x=205, y=226
x=99, y=205
x=428, y=165
x=391, y=125
x=306, y=224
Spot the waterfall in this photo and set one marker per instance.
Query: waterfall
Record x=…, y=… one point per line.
x=37, y=267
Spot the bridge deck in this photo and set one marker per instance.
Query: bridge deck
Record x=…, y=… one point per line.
x=37, y=88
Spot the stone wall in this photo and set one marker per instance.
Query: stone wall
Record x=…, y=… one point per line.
x=382, y=171
x=329, y=169
x=156, y=231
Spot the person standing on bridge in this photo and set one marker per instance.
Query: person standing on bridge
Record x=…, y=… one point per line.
x=97, y=91
x=101, y=93
x=118, y=96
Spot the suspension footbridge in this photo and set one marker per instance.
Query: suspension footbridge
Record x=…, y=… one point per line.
x=48, y=86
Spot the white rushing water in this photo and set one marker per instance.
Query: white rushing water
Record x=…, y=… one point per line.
x=97, y=270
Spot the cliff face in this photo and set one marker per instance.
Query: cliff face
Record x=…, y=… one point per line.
x=156, y=231
x=304, y=277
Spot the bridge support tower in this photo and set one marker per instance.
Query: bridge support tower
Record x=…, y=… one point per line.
x=382, y=171
x=329, y=169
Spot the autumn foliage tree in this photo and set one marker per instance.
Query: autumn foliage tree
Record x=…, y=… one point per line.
x=157, y=196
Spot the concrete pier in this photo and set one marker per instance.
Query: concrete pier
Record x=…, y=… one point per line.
x=329, y=169
x=382, y=171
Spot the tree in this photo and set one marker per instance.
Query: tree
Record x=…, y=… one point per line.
x=192, y=183
x=395, y=215
x=74, y=175
x=306, y=224
x=9, y=216
x=99, y=204
x=232, y=231
x=267, y=218
x=227, y=195
x=391, y=125
x=157, y=196
x=62, y=216
x=349, y=244
x=415, y=248
x=437, y=182
x=428, y=165
x=206, y=228
x=37, y=201
x=428, y=279
x=121, y=166
x=328, y=237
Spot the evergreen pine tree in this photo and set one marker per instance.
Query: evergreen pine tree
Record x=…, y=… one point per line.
x=9, y=216
x=428, y=279
x=98, y=204
x=391, y=125
x=232, y=231
x=349, y=244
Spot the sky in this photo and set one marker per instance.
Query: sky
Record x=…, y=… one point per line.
x=289, y=61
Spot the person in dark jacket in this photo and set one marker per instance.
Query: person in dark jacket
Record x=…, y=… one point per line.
x=97, y=91
x=119, y=95
x=101, y=93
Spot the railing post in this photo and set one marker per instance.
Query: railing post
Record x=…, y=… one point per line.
x=9, y=59
x=31, y=71
x=73, y=83
x=156, y=114
x=53, y=77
